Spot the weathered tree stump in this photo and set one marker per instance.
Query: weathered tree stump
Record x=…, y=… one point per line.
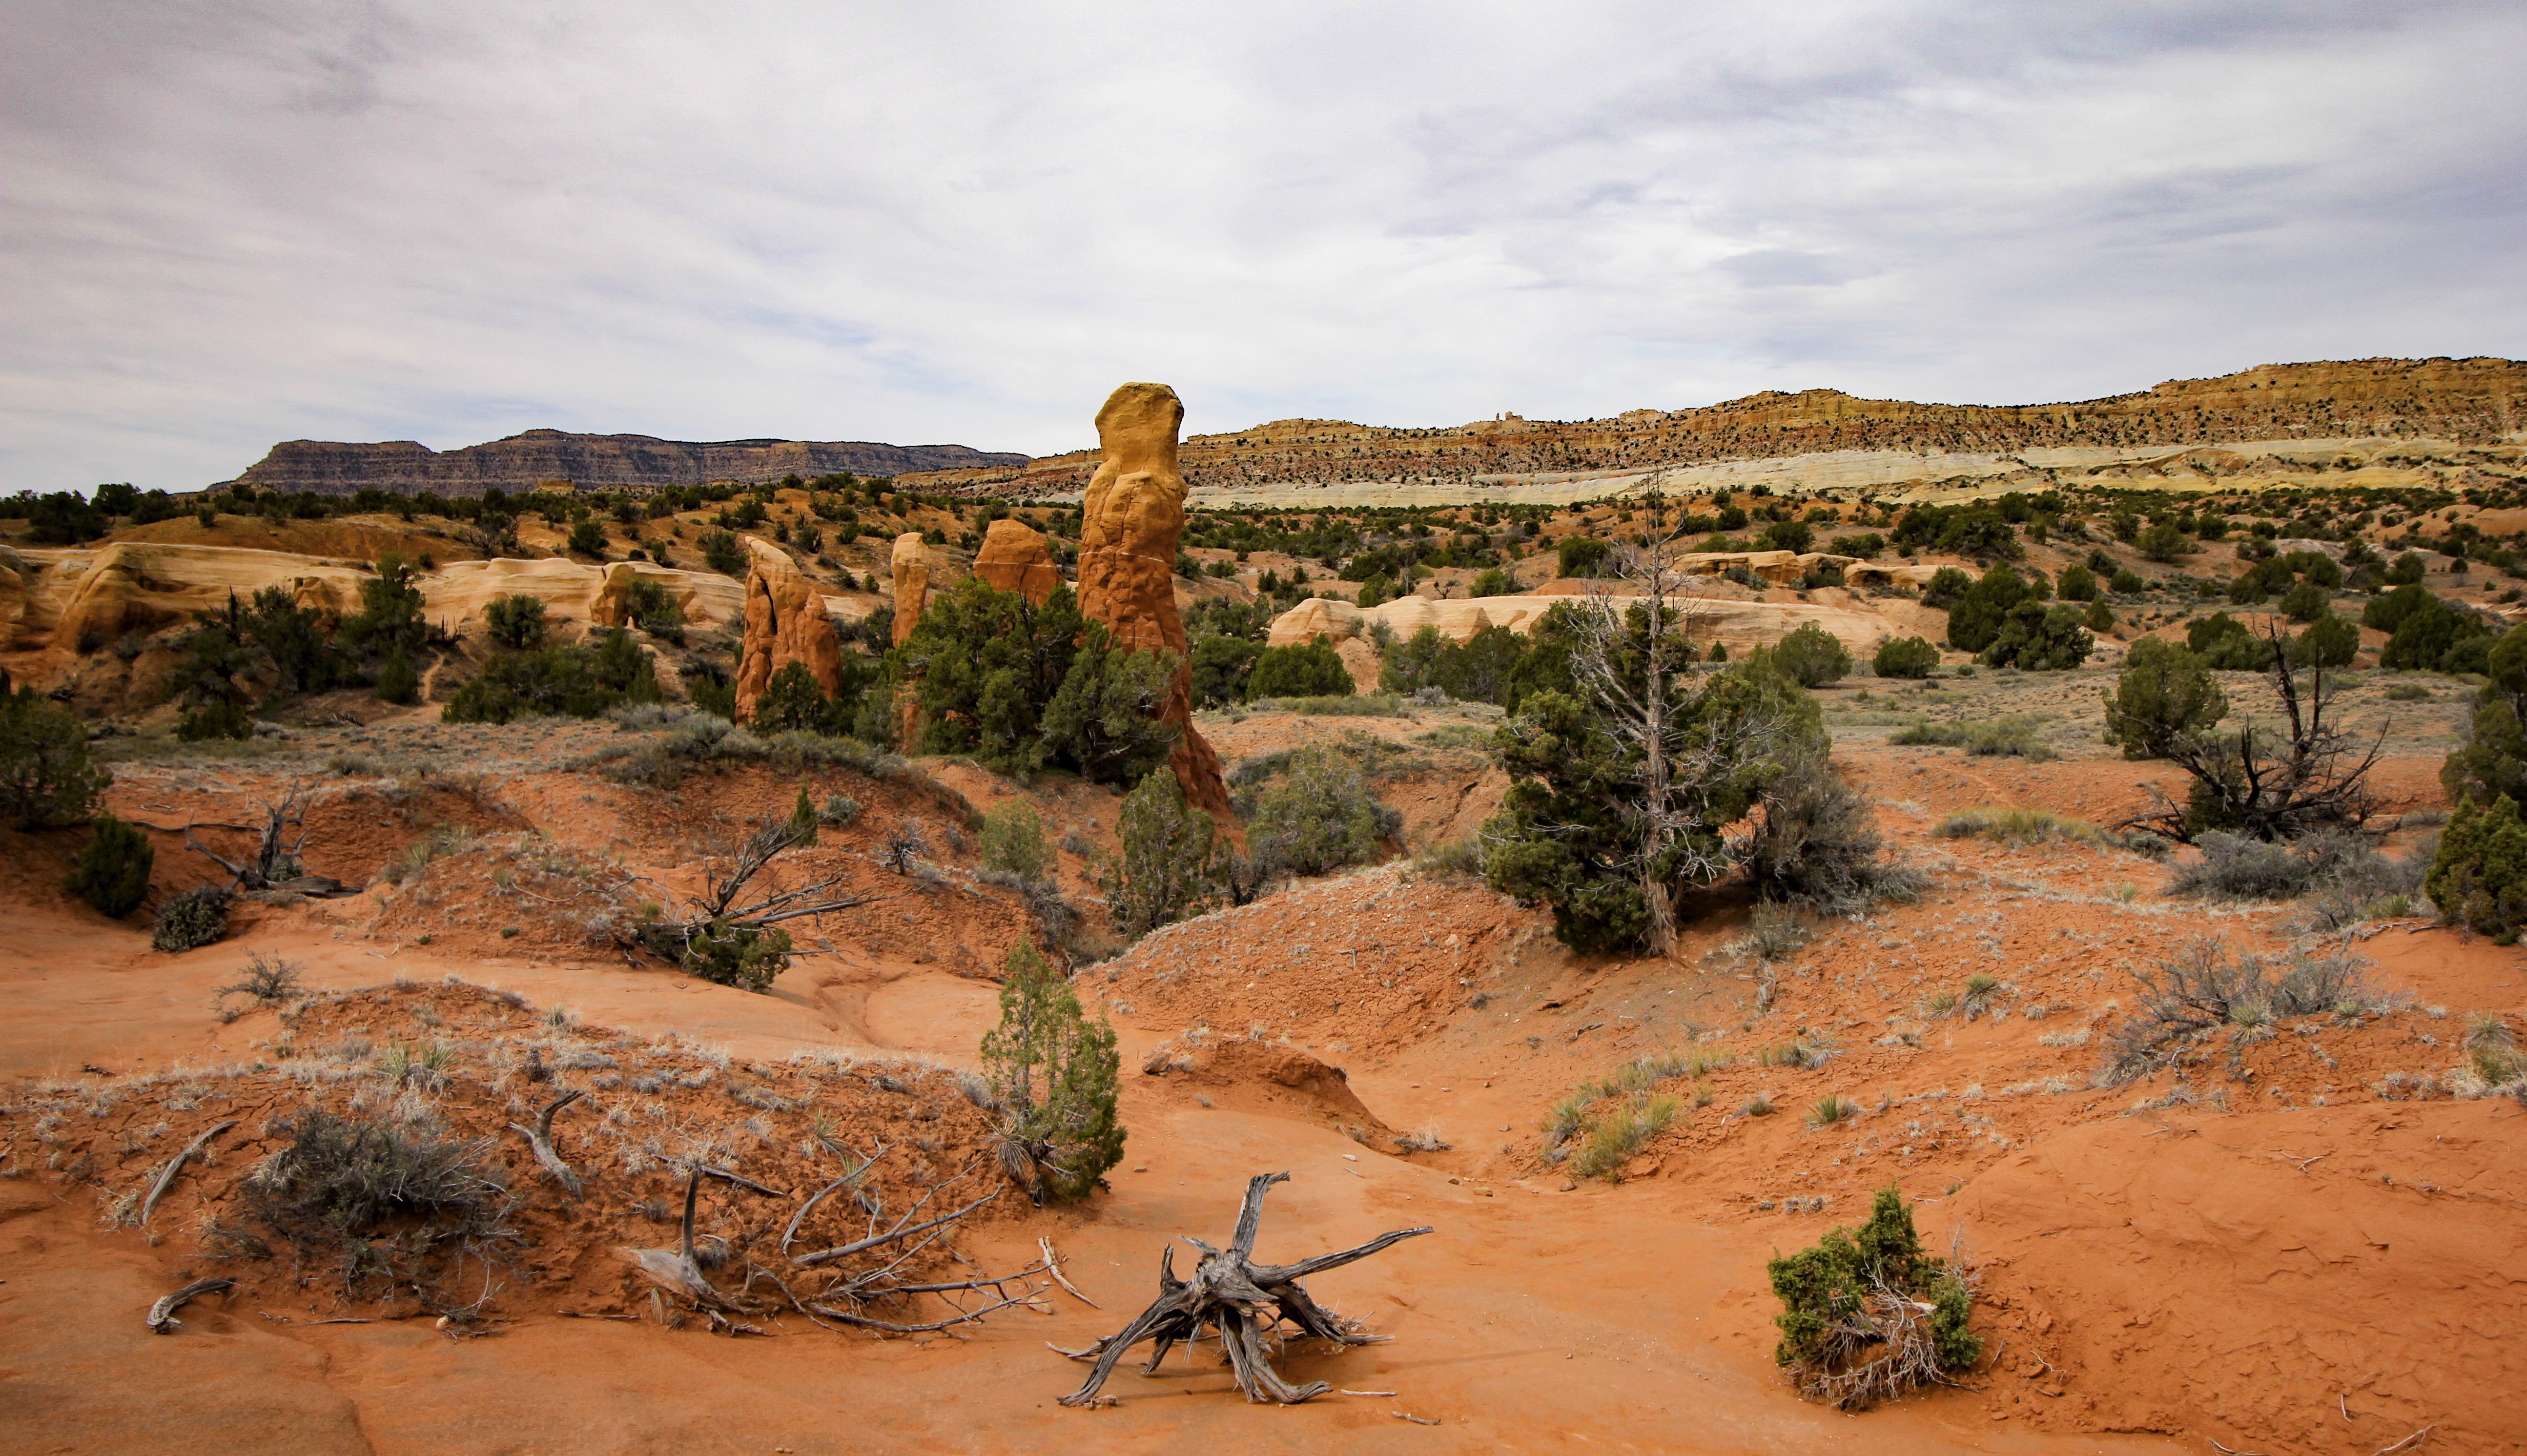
x=1243, y=1301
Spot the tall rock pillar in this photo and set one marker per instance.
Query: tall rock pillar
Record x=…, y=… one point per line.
x=1127, y=550
x=785, y=623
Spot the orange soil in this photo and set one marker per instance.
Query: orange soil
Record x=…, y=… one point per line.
x=2303, y=1256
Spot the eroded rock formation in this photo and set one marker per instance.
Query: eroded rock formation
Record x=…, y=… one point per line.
x=911, y=565
x=785, y=623
x=1014, y=558
x=1742, y=626
x=523, y=462
x=1127, y=550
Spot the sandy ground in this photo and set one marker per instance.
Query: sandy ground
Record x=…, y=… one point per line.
x=2284, y=1257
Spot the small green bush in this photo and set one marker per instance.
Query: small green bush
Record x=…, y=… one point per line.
x=2019, y=827
x=194, y=918
x=1812, y=656
x=1013, y=841
x=741, y=956
x=2038, y=637
x=1301, y=670
x=2479, y=878
x=112, y=873
x=2125, y=582
x=2164, y=692
x=2010, y=737
x=558, y=680
x=397, y=682
x=1319, y=817
x=2077, y=584
x=1581, y=556
x=1621, y=1132
x=587, y=539
x=515, y=621
x=1845, y=1285
x=1905, y=657
x=213, y=721
x=47, y=776
x=1948, y=583
x=1054, y=1076
x=1165, y=869
x=722, y=554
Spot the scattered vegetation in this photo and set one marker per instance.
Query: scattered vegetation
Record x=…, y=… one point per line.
x=2204, y=987
x=191, y=920
x=2018, y=826
x=2007, y=737
x=112, y=872
x=1866, y=1316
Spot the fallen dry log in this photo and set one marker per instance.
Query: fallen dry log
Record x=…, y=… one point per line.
x=162, y=1315
x=167, y=1174
x=1243, y=1301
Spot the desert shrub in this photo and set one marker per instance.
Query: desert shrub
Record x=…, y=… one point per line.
x=1581, y=556
x=1975, y=622
x=1301, y=670
x=516, y=621
x=1866, y=546
x=397, y=681
x=2040, y=639
x=1830, y=1109
x=1459, y=858
x=2126, y=581
x=341, y=1179
x=47, y=776
x=2006, y=737
x=722, y=554
x=1052, y=1073
x=191, y=920
x=1491, y=581
x=564, y=681
x=2305, y=603
x=1475, y=670
x=745, y=957
x=1164, y=868
x=1621, y=1131
x=587, y=539
x=1813, y=657
x=2433, y=636
x=1905, y=657
x=1319, y=817
x=2479, y=877
x=2236, y=868
x=221, y=719
x=2019, y=827
x=2408, y=693
x=1818, y=846
x=2166, y=542
x=2492, y=763
x=2328, y=642
x=2163, y=691
x=1013, y=841
x=792, y=700
x=1220, y=667
x=991, y=665
x=2204, y=987
x=1107, y=720
x=1948, y=583
x=2077, y=584
x=112, y=873
x=1867, y=1316
x=656, y=610
x=1352, y=705
x=272, y=982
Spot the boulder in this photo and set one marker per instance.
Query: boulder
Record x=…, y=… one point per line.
x=1314, y=618
x=785, y=623
x=1134, y=515
x=1014, y=558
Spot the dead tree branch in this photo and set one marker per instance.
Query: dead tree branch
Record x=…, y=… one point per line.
x=1243, y=1302
x=167, y=1174
x=162, y=1315
x=539, y=1138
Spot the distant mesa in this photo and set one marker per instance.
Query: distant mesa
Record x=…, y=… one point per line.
x=540, y=457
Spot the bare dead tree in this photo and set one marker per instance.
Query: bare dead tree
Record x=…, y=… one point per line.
x=273, y=865
x=1627, y=656
x=731, y=901
x=2252, y=783
x=1245, y=1302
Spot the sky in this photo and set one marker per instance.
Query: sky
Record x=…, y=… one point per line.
x=223, y=225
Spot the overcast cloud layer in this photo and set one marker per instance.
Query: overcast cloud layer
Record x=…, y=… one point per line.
x=225, y=224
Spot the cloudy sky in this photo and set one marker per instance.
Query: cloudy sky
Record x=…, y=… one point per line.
x=227, y=224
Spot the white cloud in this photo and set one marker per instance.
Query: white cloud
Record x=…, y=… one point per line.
x=228, y=223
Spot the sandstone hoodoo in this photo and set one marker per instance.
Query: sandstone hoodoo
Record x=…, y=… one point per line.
x=1013, y=558
x=785, y=623
x=910, y=566
x=1134, y=516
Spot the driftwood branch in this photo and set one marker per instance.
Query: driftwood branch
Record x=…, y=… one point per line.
x=162, y=1315
x=1053, y=1267
x=167, y=1174
x=539, y=1138
x=1244, y=1303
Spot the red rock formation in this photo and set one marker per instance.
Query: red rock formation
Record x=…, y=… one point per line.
x=911, y=565
x=1014, y=558
x=785, y=623
x=1127, y=550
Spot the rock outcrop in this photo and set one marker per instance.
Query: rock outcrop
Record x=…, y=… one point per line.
x=785, y=623
x=1014, y=558
x=1742, y=626
x=1134, y=515
x=540, y=457
x=911, y=564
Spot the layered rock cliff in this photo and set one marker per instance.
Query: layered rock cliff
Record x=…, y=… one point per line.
x=2476, y=401
x=522, y=462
